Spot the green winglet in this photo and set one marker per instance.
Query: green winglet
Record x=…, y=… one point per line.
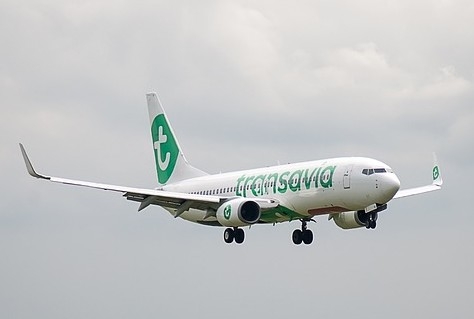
x=437, y=179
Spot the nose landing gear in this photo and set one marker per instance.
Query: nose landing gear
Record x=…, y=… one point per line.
x=371, y=222
x=234, y=234
x=370, y=214
x=303, y=235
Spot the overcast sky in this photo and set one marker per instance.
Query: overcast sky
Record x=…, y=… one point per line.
x=245, y=84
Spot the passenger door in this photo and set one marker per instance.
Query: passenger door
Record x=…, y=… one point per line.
x=346, y=180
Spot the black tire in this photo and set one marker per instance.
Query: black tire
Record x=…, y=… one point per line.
x=228, y=235
x=239, y=235
x=307, y=236
x=297, y=237
x=373, y=224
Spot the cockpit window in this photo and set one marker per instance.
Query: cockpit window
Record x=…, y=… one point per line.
x=370, y=171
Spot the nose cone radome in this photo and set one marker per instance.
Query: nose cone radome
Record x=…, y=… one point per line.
x=389, y=185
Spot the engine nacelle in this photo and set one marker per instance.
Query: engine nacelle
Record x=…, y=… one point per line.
x=238, y=212
x=349, y=220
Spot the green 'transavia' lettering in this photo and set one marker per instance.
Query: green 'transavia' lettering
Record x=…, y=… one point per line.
x=283, y=180
x=289, y=180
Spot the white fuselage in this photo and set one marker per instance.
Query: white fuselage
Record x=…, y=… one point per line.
x=307, y=188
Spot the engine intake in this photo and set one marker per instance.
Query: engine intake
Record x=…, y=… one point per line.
x=238, y=212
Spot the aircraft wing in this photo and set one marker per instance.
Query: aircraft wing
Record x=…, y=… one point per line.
x=179, y=201
x=435, y=185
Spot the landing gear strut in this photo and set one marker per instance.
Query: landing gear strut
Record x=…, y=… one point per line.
x=231, y=234
x=303, y=235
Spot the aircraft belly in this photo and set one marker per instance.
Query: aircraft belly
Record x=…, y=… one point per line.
x=298, y=205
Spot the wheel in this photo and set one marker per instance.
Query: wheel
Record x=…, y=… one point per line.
x=307, y=236
x=239, y=235
x=367, y=224
x=229, y=235
x=297, y=237
x=373, y=224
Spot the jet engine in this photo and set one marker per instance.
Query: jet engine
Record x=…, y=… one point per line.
x=238, y=212
x=349, y=220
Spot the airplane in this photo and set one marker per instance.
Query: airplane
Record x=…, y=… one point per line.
x=349, y=190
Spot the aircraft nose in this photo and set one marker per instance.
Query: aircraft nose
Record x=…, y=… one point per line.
x=390, y=184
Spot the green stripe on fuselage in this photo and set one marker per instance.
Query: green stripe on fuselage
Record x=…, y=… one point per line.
x=279, y=214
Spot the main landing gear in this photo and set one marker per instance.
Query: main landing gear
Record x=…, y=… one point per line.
x=231, y=234
x=303, y=235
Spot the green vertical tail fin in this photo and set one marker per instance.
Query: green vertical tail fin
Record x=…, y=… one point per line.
x=171, y=164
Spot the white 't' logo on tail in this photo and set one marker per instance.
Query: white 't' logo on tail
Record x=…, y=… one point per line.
x=162, y=139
